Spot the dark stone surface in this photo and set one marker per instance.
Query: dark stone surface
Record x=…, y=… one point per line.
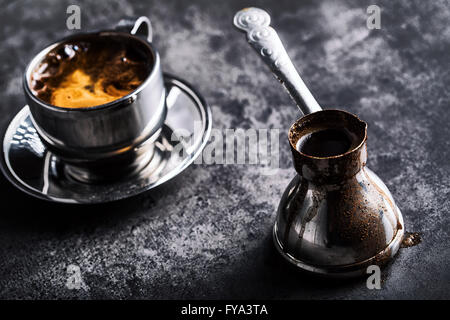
x=207, y=233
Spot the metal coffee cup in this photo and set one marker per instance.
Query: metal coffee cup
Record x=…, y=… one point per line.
x=108, y=140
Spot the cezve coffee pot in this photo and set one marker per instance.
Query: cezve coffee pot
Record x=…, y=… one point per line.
x=336, y=217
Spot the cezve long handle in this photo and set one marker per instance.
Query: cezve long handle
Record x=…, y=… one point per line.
x=264, y=39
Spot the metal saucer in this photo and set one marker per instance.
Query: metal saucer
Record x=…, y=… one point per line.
x=35, y=170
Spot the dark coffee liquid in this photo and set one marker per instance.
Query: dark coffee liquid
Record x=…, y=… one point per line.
x=325, y=143
x=91, y=70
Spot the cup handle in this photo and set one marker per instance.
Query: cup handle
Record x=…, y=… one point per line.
x=139, y=27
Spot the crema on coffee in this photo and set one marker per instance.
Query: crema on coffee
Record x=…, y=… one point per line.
x=90, y=71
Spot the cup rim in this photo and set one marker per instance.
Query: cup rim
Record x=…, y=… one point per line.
x=306, y=117
x=118, y=102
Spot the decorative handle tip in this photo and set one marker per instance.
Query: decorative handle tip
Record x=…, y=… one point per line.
x=264, y=39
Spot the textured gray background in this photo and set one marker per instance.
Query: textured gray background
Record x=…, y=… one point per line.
x=207, y=234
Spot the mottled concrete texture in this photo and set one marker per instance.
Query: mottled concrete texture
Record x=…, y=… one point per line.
x=207, y=234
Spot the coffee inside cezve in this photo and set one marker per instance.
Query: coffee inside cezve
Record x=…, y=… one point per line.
x=90, y=71
x=326, y=142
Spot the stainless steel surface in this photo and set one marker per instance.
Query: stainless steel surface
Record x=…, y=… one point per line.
x=312, y=252
x=89, y=134
x=34, y=169
x=264, y=39
x=336, y=217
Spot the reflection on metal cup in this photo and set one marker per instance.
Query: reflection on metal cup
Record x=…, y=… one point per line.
x=108, y=140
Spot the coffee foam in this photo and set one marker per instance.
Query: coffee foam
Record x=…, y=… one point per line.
x=91, y=71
